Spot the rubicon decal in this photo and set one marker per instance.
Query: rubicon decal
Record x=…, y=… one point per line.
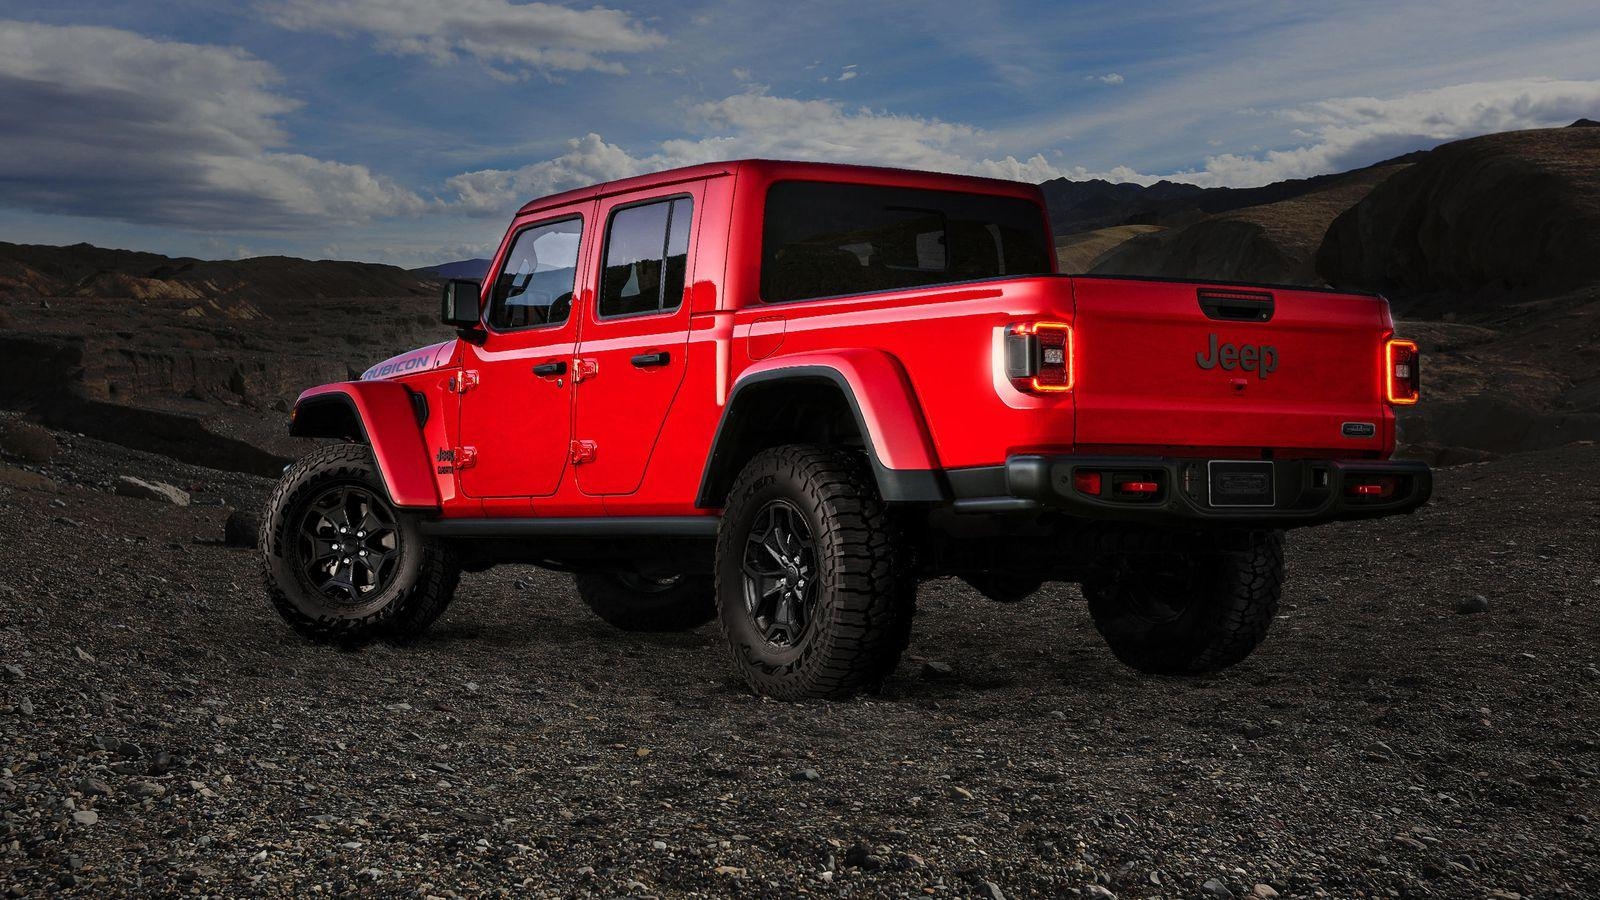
x=1260, y=359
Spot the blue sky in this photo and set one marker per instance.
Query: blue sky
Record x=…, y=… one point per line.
x=406, y=131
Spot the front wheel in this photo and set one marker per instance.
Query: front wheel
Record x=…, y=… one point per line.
x=813, y=593
x=1199, y=608
x=341, y=562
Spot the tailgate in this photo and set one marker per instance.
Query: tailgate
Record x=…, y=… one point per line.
x=1184, y=365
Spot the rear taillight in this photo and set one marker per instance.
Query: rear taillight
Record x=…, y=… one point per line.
x=1402, y=376
x=1039, y=356
x=1372, y=487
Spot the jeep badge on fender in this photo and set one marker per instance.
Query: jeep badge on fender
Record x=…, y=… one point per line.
x=1262, y=360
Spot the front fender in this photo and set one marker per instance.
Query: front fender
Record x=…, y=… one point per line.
x=383, y=415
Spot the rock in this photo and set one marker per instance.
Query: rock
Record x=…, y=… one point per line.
x=241, y=529
x=146, y=789
x=85, y=817
x=933, y=670
x=1215, y=888
x=804, y=775
x=15, y=671
x=159, y=491
x=25, y=706
x=991, y=891
x=1096, y=892
x=83, y=655
x=733, y=871
x=1477, y=603
x=28, y=442
x=1263, y=892
x=90, y=787
x=658, y=845
x=23, y=480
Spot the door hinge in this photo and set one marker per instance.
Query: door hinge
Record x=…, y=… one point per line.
x=465, y=457
x=464, y=381
x=582, y=452
x=584, y=369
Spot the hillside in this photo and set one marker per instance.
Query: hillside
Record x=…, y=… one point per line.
x=1504, y=212
x=82, y=270
x=473, y=269
x=1078, y=252
x=1077, y=206
x=1275, y=242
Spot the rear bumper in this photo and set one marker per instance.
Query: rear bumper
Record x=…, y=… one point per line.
x=1306, y=491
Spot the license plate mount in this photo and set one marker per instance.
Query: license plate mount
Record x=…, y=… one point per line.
x=1235, y=483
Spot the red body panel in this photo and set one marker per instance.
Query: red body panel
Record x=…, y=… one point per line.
x=389, y=420
x=926, y=368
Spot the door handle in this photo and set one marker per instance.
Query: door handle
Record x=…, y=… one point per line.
x=545, y=370
x=646, y=360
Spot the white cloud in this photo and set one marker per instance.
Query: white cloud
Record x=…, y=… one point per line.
x=539, y=36
x=1349, y=132
x=847, y=75
x=106, y=123
x=759, y=125
x=1108, y=78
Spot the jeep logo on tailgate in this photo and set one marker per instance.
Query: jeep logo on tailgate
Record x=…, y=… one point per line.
x=1262, y=360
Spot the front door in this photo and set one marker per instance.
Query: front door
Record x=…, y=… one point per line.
x=635, y=336
x=516, y=402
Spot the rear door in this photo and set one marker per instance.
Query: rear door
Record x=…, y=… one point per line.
x=632, y=350
x=1171, y=364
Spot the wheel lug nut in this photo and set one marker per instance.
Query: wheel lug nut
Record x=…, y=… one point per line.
x=363, y=553
x=361, y=534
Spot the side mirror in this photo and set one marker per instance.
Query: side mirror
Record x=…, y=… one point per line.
x=460, y=305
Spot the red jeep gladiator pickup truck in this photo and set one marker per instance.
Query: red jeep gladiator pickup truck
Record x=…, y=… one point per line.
x=779, y=394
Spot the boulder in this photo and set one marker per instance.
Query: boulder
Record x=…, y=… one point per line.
x=22, y=480
x=28, y=442
x=160, y=491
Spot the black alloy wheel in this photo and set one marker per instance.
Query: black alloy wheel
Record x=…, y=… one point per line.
x=349, y=544
x=780, y=569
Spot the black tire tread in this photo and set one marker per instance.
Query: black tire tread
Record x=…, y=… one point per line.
x=1239, y=601
x=864, y=616
x=405, y=618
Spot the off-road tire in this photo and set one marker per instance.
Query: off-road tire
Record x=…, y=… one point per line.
x=1003, y=587
x=414, y=596
x=1224, y=593
x=634, y=604
x=865, y=595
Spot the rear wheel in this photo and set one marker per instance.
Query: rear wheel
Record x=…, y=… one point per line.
x=1200, y=609
x=635, y=602
x=814, y=595
x=341, y=562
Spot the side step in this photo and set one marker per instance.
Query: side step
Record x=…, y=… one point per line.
x=592, y=526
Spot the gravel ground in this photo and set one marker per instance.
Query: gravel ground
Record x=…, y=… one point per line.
x=162, y=733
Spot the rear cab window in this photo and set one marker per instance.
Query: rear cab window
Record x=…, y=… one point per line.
x=826, y=239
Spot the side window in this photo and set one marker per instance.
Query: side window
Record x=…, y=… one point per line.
x=535, y=285
x=647, y=258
